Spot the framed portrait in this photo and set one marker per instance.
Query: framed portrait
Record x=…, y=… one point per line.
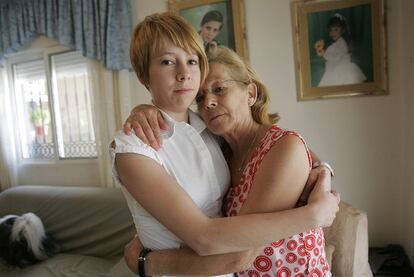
x=340, y=48
x=219, y=22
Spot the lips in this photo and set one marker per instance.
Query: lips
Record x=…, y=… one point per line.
x=183, y=90
x=215, y=117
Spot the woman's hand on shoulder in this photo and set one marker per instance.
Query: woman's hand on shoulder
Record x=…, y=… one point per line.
x=147, y=122
x=323, y=201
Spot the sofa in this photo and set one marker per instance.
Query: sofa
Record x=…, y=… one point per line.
x=93, y=224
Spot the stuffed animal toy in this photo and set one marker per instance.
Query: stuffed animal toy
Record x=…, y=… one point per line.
x=24, y=241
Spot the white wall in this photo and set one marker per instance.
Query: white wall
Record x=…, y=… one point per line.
x=364, y=138
x=361, y=137
x=142, y=8
x=408, y=70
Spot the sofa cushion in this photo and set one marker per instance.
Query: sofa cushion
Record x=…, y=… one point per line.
x=349, y=235
x=63, y=265
x=90, y=221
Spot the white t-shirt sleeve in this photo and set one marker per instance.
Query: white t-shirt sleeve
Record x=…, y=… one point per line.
x=130, y=144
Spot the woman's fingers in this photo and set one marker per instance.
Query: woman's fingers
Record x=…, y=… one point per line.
x=305, y=193
x=148, y=124
x=139, y=132
x=131, y=251
x=326, y=201
x=127, y=127
x=163, y=125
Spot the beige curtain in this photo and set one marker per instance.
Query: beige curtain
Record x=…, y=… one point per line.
x=8, y=160
x=106, y=86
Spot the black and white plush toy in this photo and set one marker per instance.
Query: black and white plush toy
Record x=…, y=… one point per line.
x=23, y=240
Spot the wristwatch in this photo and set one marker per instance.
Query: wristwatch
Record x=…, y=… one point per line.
x=141, y=261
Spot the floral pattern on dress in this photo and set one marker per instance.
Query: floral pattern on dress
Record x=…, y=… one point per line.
x=299, y=255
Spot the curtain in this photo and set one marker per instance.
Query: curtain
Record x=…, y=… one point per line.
x=104, y=88
x=101, y=29
x=8, y=164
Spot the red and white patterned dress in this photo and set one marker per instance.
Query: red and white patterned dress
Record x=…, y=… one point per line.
x=300, y=255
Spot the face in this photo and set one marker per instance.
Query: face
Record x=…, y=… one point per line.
x=223, y=102
x=210, y=30
x=174, y=77
x=335, y=32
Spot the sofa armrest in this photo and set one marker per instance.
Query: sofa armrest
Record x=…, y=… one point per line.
x=349, y=235
x=84, y=220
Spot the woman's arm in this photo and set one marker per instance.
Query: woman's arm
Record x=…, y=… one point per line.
x=185, y=261
x=147, y=122
x=146, y=180
x=280, y=179
x=275, y=188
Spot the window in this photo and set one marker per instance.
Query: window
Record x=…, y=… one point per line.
x=53, y=106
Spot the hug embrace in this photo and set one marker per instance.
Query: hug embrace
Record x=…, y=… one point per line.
x=220, y=190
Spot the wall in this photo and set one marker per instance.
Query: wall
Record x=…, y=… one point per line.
x=362, y=137
x=408, y=66
x=366, y=139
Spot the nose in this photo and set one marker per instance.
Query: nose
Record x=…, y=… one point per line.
x=183, y=73
x=210, y=101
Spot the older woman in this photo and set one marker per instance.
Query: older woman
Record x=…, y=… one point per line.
x=269, y=168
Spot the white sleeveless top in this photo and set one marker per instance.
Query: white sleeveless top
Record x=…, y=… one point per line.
x=191, y=154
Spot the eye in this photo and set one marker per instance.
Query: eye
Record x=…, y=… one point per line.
x=218, y=89
x=193, y=62
x=199, y=98
x=167, y=62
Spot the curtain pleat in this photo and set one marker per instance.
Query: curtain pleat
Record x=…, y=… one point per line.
x=101, y=29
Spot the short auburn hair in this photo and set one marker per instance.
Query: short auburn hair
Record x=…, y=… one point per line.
x=148, y=37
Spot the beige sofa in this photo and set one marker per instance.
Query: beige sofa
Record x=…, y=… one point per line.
x=92, y=225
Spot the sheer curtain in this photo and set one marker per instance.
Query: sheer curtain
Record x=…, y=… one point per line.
x=106, y=86
x=8, y=163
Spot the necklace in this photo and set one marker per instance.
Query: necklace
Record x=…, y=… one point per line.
x=239, y=169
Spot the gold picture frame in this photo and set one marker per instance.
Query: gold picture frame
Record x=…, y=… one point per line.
x=340, y=48
x=232, y=31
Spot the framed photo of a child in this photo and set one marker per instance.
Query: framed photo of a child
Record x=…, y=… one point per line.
x=340, y=48
x=219, y=22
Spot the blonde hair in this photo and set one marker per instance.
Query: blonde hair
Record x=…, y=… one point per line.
x=148, y=37
x=240, y=70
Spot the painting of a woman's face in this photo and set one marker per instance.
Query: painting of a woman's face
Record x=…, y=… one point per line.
x=210, y=30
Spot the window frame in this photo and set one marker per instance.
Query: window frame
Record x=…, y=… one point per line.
x=46, y=55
